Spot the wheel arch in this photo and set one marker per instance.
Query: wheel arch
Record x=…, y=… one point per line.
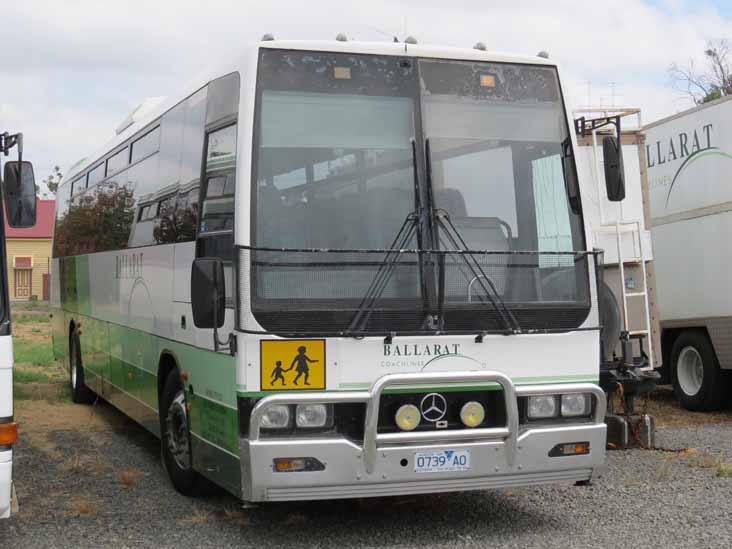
x=166, y=364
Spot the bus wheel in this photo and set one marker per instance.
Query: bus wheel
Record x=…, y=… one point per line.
x=80, y=393
x=699, y=383
x=175, y=438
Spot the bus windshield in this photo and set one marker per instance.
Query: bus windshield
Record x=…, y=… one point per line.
x=334, y=168
x=496, y=133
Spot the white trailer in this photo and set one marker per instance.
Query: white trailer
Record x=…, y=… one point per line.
x=688, y=162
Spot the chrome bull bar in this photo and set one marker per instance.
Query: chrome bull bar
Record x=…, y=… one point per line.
x=372, y=440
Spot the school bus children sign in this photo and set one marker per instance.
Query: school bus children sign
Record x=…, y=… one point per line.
x=295, y=364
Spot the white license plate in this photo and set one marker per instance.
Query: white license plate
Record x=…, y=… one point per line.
x=444, y=461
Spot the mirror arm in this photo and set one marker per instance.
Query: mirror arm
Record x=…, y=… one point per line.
x=230, y=343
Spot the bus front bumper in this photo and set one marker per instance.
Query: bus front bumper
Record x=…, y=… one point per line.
x=384, y=464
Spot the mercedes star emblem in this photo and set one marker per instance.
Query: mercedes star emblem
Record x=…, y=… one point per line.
x=433, y=407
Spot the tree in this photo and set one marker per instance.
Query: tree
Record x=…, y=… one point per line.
x=711, y=83
x=53, y=180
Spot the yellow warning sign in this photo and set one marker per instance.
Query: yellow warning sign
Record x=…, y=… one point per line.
x=293, y=364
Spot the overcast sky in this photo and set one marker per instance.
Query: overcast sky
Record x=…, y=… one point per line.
x=71, y=70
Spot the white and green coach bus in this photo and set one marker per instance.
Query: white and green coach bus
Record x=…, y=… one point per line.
x=342, y=269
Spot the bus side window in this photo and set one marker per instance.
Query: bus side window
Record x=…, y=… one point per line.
x=217, y=198
x=216, y=223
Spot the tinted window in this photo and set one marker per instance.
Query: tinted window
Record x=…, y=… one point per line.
x=61, y=232
x=193, y=136
x=96, y=175
x=78, y=185
x=180, y=165
x=117, y=162
x=171, y=143
x=221, y=153
x=217, y=210
x=146, y=145
x=223, y=98
x=142, y=180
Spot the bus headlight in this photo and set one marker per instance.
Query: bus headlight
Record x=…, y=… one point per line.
x=472, y=414
x=407, y=417
x=311, y=415
x=575, y=405
x=276, y=416
x=543, y=407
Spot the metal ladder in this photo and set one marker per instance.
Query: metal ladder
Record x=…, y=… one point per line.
x=618, y=227
x=638, y=259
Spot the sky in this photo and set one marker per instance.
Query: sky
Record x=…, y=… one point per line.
x=72, y=70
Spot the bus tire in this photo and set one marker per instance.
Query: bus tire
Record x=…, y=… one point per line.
x=80, y=393
x=175, y=439
x=699, y=383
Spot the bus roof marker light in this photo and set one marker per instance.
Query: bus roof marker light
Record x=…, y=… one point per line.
x=341, y=37
x=268, y=37
x=479, y=46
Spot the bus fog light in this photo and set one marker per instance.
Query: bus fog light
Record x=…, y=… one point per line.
x=543, y=407
x=407, y=417
x=276, y=417
x=472, y=414
x=311, y=415
x=575, y=405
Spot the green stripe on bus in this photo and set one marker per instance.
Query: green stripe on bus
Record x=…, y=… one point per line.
x=127, y=358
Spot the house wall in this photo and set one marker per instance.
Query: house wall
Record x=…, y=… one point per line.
x=37, y=248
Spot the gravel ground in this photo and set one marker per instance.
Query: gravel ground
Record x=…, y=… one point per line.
x=104, y=486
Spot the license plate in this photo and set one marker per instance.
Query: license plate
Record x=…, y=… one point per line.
x=444, y=461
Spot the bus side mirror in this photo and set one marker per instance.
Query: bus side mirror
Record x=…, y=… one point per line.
x=208, y=293
x=612, y=153
x=19, y=190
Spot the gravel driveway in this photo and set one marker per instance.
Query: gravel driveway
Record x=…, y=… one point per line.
x=103, y=485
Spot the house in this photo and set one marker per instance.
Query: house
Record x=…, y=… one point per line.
x=29, y=255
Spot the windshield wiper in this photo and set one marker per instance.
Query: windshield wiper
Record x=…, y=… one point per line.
x=442, y=221
x=383, y=274
x=412, y=224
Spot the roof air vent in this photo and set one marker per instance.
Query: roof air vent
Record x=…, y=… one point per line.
x=479, y=46
x=342, y=37
x=410, y=40
x=543, y=54
x=268, y=37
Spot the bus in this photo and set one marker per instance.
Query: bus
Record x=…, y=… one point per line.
x=336, y=269
x=19, y=208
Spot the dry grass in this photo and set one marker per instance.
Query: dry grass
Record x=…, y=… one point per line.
x=724, y=469
x=74, y=464
x=130, y=477
x=720, y=466
x=665, y=471
x=82, y=506
x=236, y=516
x=198, y=516
x=667, y=412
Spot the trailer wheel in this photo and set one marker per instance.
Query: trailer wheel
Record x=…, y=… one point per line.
x=175, y=439
x=80, y=393
x=699, y=383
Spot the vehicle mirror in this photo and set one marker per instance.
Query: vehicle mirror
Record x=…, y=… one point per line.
x=208, y=293
x=19, y=190
x=570, y=176
x=614, y=171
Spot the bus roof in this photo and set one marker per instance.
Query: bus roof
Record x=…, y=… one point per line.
x=238, y=64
